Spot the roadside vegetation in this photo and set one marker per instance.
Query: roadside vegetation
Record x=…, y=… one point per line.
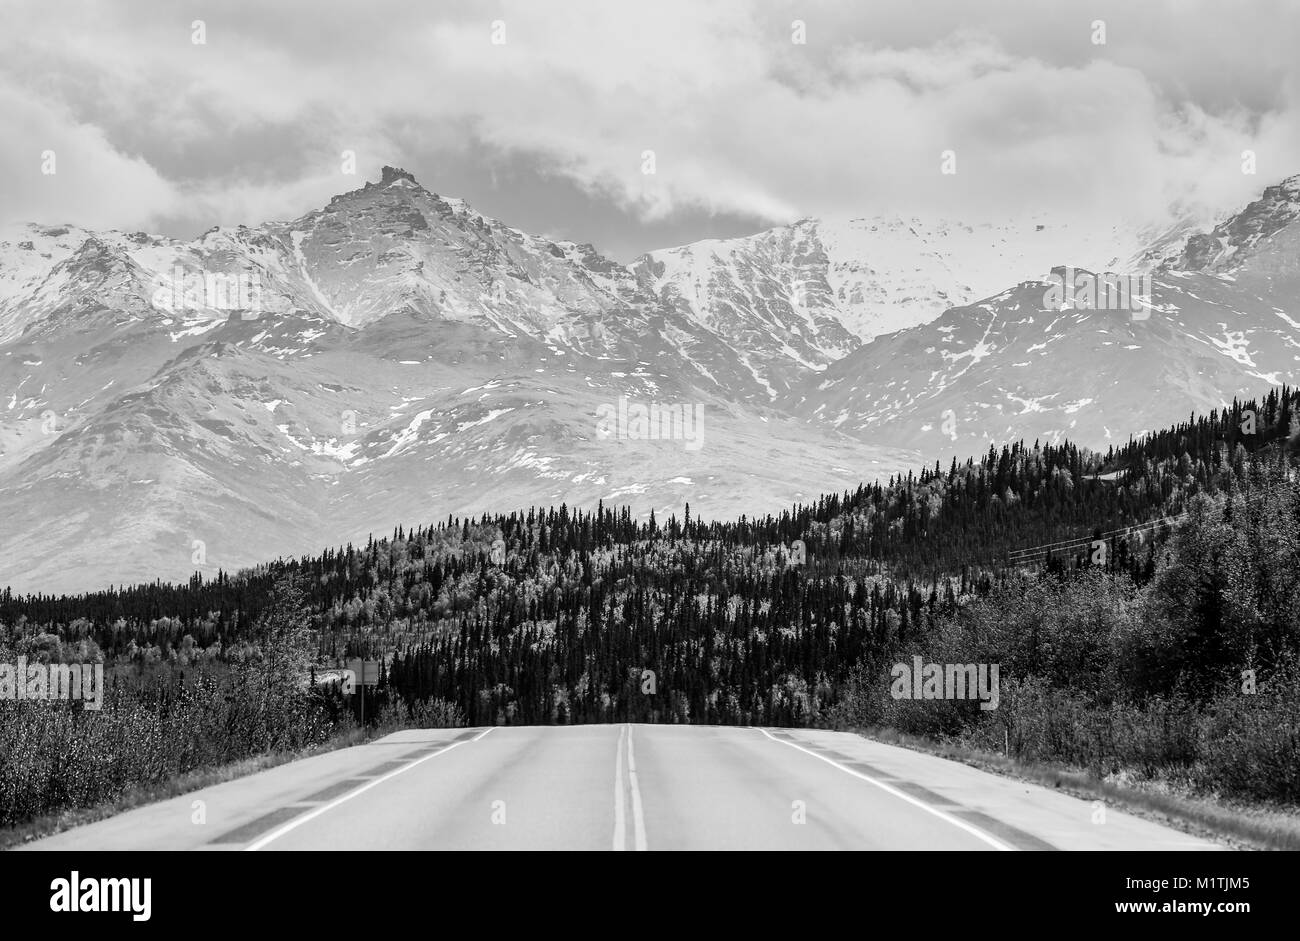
x=1168, y=660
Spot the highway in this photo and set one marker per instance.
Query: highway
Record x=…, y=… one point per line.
x=623, y=788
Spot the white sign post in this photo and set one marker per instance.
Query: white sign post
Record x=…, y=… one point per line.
x=363, y=673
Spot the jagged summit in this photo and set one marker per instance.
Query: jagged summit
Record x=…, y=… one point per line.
x=391, y=184
x=1230, y=244
x=401, y=349
x=393, y=174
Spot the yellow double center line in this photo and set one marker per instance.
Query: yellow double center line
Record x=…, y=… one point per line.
x=620, y=814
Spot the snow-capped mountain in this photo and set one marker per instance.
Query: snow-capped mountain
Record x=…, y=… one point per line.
x=1234, y=241
x=812, y=291
x=396, y=356
x=393, y=357
x=1222, y=320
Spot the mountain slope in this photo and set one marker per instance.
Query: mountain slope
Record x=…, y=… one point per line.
x=396, y=356
x=1011, y=367
x=1222, y=321
x=392, y=357
x=809, y=293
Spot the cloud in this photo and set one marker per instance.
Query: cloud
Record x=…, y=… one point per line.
x=92, y=182
x=741, y=120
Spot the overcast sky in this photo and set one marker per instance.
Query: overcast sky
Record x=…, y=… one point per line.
x=547, y=130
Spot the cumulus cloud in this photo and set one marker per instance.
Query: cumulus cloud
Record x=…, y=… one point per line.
x=740, y=119
x=58, y=169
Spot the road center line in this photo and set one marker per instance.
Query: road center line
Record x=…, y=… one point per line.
x=973, y=831
x=638, y=820
x=299, y=821
x=620, y=828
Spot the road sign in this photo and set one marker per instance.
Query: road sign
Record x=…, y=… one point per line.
x=367, y=671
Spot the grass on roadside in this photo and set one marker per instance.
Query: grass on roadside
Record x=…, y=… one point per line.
x=196, y=780
x=1236, y=824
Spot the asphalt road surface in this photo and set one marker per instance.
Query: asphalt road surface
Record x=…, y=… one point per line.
x=623, y=787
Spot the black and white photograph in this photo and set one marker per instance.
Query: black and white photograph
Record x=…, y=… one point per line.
x=559, y=425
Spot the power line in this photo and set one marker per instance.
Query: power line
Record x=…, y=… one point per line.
x=1035, y=554
x=1114, y=532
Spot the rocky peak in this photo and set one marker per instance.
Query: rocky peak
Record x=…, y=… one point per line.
x=395, y=186
x=1225, y=246
x=393, y=174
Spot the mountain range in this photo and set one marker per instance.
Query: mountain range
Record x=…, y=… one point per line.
x=397, y=357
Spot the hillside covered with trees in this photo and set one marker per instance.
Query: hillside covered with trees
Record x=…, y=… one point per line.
x=1131, y=657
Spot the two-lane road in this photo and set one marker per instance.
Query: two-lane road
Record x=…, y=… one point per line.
x=623, y=787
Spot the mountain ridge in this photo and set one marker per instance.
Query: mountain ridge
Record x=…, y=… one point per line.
x=400, y=347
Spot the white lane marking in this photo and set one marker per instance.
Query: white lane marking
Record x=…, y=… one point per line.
x=638, y=820
x=620, y=828
x=973, y=831
x=297, y=822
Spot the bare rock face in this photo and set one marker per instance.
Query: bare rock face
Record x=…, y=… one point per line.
x=391, y=174
x=1227, y=246
x=396, y=356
